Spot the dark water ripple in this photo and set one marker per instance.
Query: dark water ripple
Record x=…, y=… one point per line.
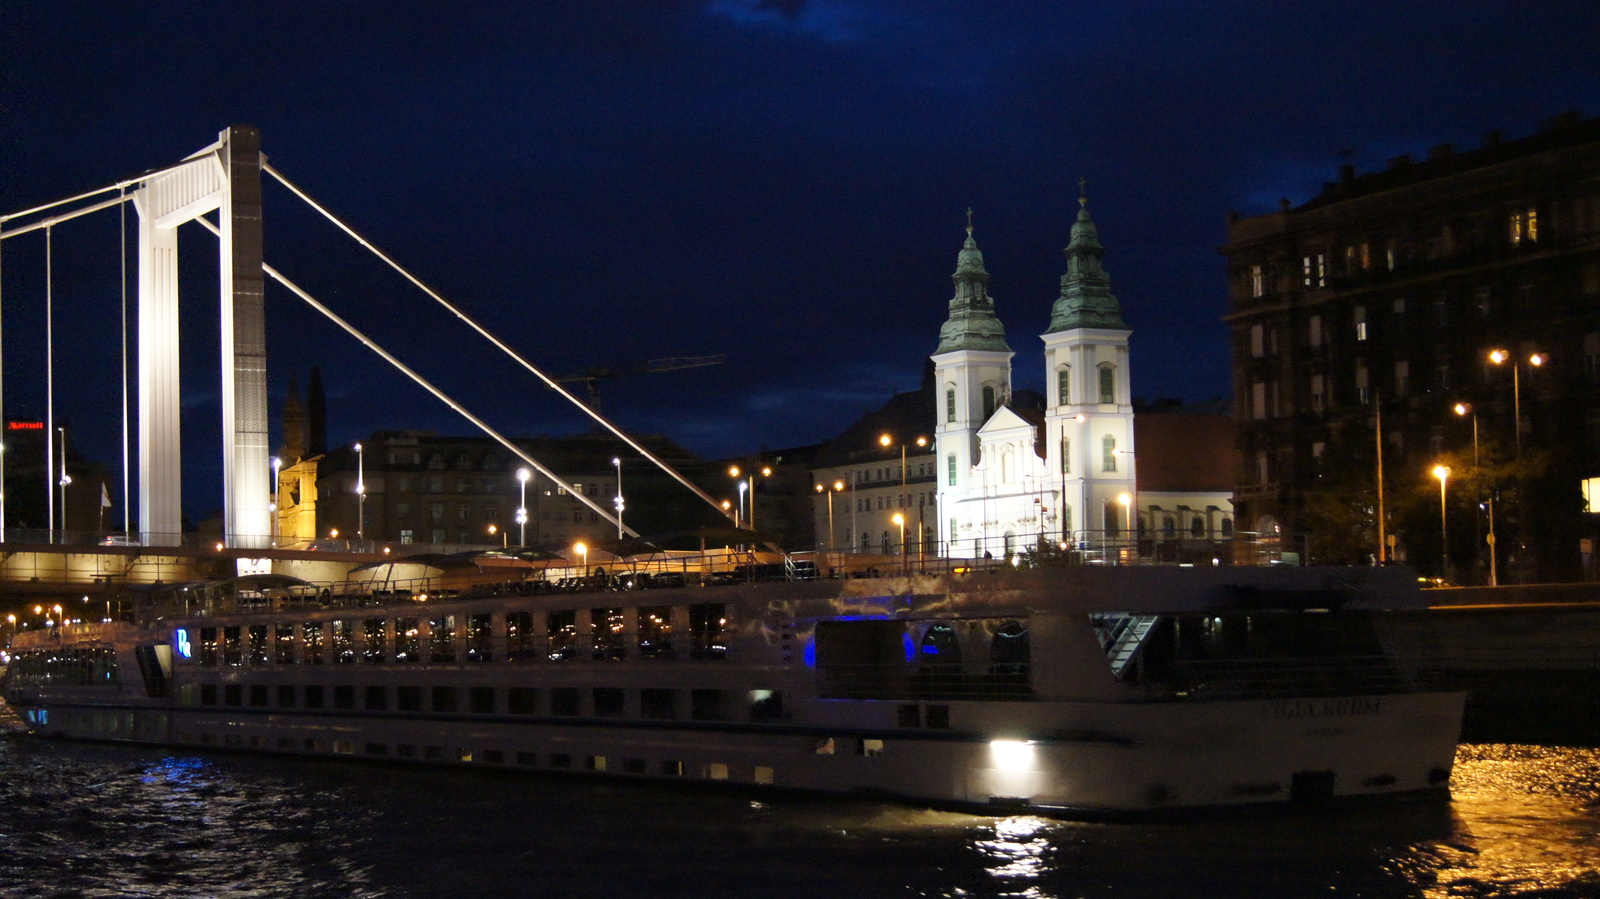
x=82, y=820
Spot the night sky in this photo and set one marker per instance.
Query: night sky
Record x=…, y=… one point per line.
x=781, y=181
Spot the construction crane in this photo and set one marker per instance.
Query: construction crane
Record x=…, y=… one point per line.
x=592, y=376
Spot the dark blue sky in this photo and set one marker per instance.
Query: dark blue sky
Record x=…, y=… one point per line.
x=781, y=181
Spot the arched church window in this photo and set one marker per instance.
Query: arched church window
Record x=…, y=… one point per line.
x=1010, y=538
x=1113, y=519
x=1063, y=385
x=1108, y=383
x=1108, y=453
x=988, y=401
x=1197, y=527
x=951, y=464
x=950, y=403
x=1005, y=467
x=1169, y=527
x=1227, y=527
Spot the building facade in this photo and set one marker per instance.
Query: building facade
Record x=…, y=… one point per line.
x=1376, y=306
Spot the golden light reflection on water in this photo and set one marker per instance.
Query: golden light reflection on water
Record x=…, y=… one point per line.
x=1527, y=819
x=1018, y=851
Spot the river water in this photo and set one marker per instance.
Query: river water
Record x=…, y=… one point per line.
x=83, y=820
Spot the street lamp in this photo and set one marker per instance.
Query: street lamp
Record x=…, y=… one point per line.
x=522, y=506
x=65, y=480
x=827, y=495
x=900, y=520
x=1466, y=409
x=361, y=494
x=748, y=486
x=277, y=487
x=1442, y=472
x=505, y=538
x=887, y=441
x=583, y=553
x=1500, y=357
x=1127, y=509
x=616, y=463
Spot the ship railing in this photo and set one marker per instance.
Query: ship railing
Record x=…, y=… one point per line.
x=917, y=682
x=1283, y=678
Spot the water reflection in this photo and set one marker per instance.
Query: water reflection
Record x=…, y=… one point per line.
x=109, y=821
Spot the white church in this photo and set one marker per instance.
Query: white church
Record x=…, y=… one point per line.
x=1010, y=478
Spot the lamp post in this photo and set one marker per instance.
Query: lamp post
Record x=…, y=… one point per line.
x=1467, y=409
x=900, y=519
x=887, y=441
x=827, y=494
x=1442, y=472
x=747, y=486
x=616, y=462
x=1127, y=508
x=522, y=506
x=277, y=488
x=583, y=553
x=1501, y=357
x=361, y=494
x=64, y=480
x=505, y=538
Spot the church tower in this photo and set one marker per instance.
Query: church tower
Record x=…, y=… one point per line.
x=1089, y=417
x=972, y=379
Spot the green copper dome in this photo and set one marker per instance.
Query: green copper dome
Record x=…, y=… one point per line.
x=1086, y=300
x=972, y=324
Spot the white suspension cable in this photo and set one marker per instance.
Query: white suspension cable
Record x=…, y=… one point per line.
x=474, y=325
x=2, y=433
x=425, y=384
x=120, y=185
x=58, y=219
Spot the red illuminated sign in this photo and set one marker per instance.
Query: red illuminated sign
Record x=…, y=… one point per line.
x=24, y=425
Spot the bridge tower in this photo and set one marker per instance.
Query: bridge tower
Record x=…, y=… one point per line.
x=225, y=177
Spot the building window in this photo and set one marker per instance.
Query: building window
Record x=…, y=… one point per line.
x=1441, y=310
x=1258, y=282
x=1442, y=374
x=1066, y=454
x=950, y=404
x=1258, y=342
x=1064, y=385
x=1108, y=383
x=1314, y=331
x=1363, y=391
x=1398, y=320
x=1258, y=401
x=1262, y=470
x=1319, y=394
x=1484, y=300
x=950, y=464
x=988, y=401
x=1360, y=316
x=1108, y=453
x=1402, y=377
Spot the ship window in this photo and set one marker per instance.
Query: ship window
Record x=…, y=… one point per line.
x=870, y=748
x=608, y=637
x=258, y=695
x=766, y=705
x=314, y=697
x=478, y=635
x=939, y=645
x=311, y=641
x=377, y=698
x=938, y=717
x=522, y=701
x=208, y=694
x=231, y=654
x=481, y=700
x=717, y=771
x=909, y=715
x=672, y=768
x=406, y=632
x=608, y=702
x=408, y=699
x=405, y=750
x=283, y=645
x=443, y=699
x=372, y=650
x=655, y=632
x=527, y=758
x=658, y=704
x=708, y=631
x=707, y=705
x=442, y=638
x=344, y=697
x=564, y=702
x=208, y=646
x=256, y=637
x=561, y=630
x=343, y=643
x=560, y=760
x=1009, y=651
x=519, y=636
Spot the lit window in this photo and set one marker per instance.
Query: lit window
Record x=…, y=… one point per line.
x=950, y=404
x=1108, y=383
x=1064, y=385
x=1258, y=282
x=1108, y=453
x=1066, y=454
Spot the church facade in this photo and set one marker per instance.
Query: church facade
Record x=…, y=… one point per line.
x=1011, y=477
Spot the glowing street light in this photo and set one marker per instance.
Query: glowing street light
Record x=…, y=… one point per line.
x=887, y=441
x=1127, y=509
x=277, y=487
x=361, y=494
x=1501, y=357
x=617, y=464
x=1466, y=409
x=1442, y=472
x=583, y=553
x=900, y=520
x=522, y=506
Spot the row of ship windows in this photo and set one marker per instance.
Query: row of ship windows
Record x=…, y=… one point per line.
x=658, y=704
x=650, y=632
